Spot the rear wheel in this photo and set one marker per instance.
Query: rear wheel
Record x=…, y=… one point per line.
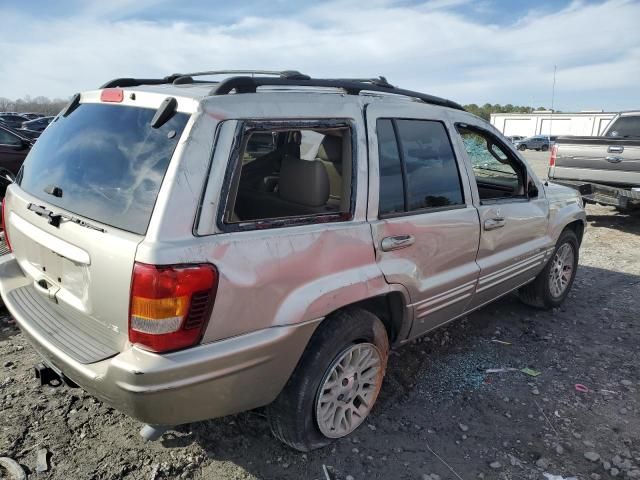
x=553, y=283
x=335, y=383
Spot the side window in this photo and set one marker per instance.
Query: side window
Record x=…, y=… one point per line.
x=418, y=168
x=290, y=172
x=498, y=173
x=432, y=174
x=391, y=184
x=8, y=139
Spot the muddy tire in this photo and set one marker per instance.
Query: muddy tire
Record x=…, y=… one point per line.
x=552, y=285
x=335, y=383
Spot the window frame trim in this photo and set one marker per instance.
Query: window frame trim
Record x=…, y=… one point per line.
x=500, y=200
x=232, y=174
x=403, y=167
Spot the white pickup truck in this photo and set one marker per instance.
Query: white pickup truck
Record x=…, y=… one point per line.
x=604, y=169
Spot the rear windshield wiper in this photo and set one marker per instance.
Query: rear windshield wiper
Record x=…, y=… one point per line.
x=55, y=218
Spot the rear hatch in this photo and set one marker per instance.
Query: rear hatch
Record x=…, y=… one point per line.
x=606, y=160
x=81, y=205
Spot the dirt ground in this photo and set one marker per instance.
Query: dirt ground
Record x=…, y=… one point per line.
x=440, y=415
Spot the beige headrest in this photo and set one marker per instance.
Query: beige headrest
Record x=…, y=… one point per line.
x=303, y=181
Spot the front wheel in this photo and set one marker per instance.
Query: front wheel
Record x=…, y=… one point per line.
x=552, y=285
x=335, y=384
x=522, y=147
x=545, y=148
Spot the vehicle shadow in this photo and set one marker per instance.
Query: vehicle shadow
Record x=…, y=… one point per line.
x=432, y=378
x=624, y=222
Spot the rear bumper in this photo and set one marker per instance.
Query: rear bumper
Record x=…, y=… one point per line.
x=604, y=194
x=207, y=381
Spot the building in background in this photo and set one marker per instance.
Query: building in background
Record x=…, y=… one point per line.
x=544, y=122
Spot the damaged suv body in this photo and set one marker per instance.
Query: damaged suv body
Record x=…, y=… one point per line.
x=185, y=249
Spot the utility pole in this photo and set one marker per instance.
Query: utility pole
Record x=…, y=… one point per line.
x=553, y=95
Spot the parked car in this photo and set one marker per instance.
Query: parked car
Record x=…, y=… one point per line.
x=604, y=169
x=12, y=120
x=32, y=116
x=37, y=125
x=537, y=142
x=178, y=276
x=14, y=147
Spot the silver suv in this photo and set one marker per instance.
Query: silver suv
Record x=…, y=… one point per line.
x=187, y=249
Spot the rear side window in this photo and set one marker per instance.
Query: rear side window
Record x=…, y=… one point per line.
x=289, y=173
x=625, y=127
x=418, y=168
x=107, y=162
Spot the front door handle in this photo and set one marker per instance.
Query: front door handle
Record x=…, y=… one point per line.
x=615, y=149
x=396, y=242
x=613, y=159
x=493, y=223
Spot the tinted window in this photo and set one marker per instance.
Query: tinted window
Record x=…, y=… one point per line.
x=432, y=173
x=391, y=188
x=625, y=127
x=108, y=162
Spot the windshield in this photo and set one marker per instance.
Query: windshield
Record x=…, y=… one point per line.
x=103, y=162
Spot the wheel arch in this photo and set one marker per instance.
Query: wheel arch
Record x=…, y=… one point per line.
x=577, y=226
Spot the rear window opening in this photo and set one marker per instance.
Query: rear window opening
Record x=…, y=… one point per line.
x=288, y=173
x=103, y=162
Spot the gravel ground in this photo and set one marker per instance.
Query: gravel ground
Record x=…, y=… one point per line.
x=439, y=415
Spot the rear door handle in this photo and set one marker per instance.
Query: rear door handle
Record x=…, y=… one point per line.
x=613, y=159
x=396, y=242
x=493, y=223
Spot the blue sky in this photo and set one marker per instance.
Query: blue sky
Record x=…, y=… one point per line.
x=469, y=51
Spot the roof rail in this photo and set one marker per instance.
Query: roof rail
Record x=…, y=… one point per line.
x=184, y=78
x=245, y=81
x=244, y=84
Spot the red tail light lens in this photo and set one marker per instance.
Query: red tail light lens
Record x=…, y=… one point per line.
x=170, y=305
x=552, y=157
x=112, y=95
x=4, y=227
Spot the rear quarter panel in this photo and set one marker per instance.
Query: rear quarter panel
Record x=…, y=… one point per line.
x=277, y=276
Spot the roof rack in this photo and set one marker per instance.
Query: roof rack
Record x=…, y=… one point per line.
x=246, y=81
x=185, y=78
x=244, y=84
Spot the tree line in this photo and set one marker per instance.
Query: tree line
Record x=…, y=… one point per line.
x=487, y=109
x=48, y=106
x=39, y=104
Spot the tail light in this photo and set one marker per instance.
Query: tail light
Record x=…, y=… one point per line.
x=552, y=157
x=170, y=305
x=4, y=227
